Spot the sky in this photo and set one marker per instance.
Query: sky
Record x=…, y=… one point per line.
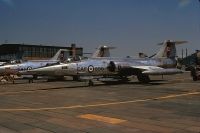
x=131, y=26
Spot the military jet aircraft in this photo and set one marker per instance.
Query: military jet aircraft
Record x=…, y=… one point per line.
x=14, y=69
x=102, y=51
x=163, y=63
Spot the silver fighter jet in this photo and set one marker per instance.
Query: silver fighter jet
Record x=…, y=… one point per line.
x=50, y=71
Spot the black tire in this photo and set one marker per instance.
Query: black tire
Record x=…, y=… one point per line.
x=195, y=78
x=143, y=78
x=193, y=71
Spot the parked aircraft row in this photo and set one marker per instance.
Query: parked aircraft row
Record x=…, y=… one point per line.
x=59, y=58
x=32, y=64
x=163, y=63
x=102, y=66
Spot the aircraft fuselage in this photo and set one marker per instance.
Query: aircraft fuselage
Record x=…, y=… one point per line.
x=103, y=66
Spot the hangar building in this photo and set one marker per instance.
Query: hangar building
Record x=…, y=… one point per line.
x=33, y=52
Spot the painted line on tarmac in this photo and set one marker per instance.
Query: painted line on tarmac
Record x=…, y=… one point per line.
x=28, y=91
x=102, y=118
x=19, y=92
x=100, y=104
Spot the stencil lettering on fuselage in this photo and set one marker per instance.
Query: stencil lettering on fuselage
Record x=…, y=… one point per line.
x=90, y=69
x=25, y=68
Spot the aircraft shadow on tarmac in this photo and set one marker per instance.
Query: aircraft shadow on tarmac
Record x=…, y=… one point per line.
x=85, y=85
x=152, y=82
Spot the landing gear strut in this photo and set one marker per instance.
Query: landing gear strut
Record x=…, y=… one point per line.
x=30, y=80
x=90, y=83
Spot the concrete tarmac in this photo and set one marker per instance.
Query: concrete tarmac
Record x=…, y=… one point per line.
x=171, y=105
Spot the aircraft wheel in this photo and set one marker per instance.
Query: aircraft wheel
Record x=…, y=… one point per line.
x=193, y=74
x=192, y=71
x=143, y=78
x=195, y=78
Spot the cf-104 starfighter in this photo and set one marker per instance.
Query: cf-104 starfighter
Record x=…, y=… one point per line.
x=14, y=69
x=163, y=63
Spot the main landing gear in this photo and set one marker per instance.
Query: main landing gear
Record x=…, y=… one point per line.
x=35, y=77
x=30, y=80
x=195, y=73
x=143, y=78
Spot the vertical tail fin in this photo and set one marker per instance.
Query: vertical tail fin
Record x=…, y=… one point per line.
x=61, y=55
x=168, y=50
x=102, y=51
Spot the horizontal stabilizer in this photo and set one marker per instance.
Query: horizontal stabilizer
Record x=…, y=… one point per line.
x=175, y=42
x=106, y=47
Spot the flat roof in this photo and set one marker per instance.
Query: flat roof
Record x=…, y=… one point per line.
x=31, y=45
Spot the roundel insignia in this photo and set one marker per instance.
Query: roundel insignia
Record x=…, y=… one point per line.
x=29, y=68
x=90, y=68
